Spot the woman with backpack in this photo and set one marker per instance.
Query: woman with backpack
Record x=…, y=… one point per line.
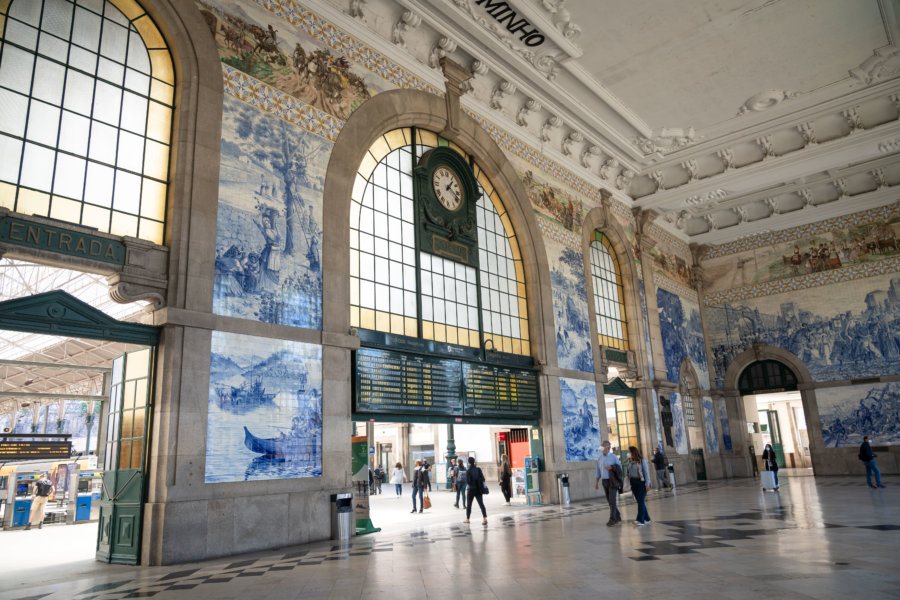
x=475, y=488
x=397, y=478
x=639, y=476
x=459, y=482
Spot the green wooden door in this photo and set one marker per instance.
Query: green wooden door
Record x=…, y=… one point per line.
x=127, y=433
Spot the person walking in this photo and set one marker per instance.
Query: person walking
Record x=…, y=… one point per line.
x=639, y=477
x=42, y=488
x=659, y=464
x=505, y=477
x=459, y=482
x=420, y=482
x=609, y=471
x=868, y=457
x=771, y=462
x=427, y=467
x=397, y=478
x=474, y=489
x=379, y=478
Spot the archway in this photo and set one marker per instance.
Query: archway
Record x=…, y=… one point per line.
x=771, y=393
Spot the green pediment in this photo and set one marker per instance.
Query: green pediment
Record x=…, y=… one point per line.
x=60, y=313
x=617, y=387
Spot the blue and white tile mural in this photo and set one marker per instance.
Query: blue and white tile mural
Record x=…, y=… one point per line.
x=659, y=431
x=723, y=421
x=581, y=419
x=709, y=424
x=269, y=234
x=849, y=413
x=840, y=331
x=682, y=335
x=570, y=307
x=681, y=443
x=265, y=409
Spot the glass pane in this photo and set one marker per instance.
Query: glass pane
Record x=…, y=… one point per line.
x=124, y=455
x=74, y=133
x=137, y=451
x=11, y=151
x=83, y=60
x=110, y=71
x=134, y=113
x=99, y=185
x=48, y=81
x=122, y=224
x=16, y=68
x=130, y=154
x=37, y=167
x=57, y=18
x=107, y=103
x=137, y=82
x=103, y=142
x=138, y=59
x=86, y=31
x=13, y=108
x=153, y=199
x=127, y=195
x=79, y=92
x=114, y=41
x=93, y=216
x=30, y=12
x=128, y=396
x=53, y=47
x=43, y=123
x=64, y=209
x=140, y=393
x=156, y=160
x=127, y=421
x=139, y=364
x=69, y=178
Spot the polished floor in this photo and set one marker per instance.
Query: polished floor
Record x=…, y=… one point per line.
x=814, y=538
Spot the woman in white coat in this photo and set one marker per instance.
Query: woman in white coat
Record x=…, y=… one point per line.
x=397, y=478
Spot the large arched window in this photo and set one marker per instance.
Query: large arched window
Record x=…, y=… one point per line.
x=396, y=288
x=609, y=305
x=86, y=96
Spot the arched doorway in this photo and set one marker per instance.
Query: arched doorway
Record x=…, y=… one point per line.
x=772, y=392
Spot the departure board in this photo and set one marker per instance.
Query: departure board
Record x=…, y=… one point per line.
x=498, y=391
x=407, y=383
x=399, y=383
x=28, y=450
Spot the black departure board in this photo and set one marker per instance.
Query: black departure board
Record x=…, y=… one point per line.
x=407, y=383
x=497, y=391
x=399, y=383
x=28, y=450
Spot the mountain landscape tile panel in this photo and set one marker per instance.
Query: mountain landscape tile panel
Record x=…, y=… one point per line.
x=709, y=424
x=581, y=419
x=681, y=444
x=265, y=409
x=723, y=421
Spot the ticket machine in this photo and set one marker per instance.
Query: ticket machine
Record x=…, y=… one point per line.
x=20, y=493
x=84, y=495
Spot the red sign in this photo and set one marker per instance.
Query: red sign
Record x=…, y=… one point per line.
x=501, y=436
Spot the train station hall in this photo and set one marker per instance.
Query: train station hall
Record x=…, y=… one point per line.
x=449, y=298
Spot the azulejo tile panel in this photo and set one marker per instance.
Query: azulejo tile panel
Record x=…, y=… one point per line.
x=842, y=331
x=570, y=307
x=673, y=243
x=581, y=419
x=264, y=417
x=849, y=413
x=813, y=280
x=723, y=421
x=675, y=287
x=682, y=336
x=709, y=425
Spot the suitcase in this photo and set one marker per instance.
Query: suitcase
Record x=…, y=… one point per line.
x=768, y=480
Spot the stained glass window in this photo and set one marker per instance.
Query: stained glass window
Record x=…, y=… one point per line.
x=609, y=306
x=396, y=288
x=86, y=96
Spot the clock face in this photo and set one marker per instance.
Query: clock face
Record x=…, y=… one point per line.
x=447, y=188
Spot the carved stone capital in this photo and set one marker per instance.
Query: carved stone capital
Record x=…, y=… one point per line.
x=457, y=77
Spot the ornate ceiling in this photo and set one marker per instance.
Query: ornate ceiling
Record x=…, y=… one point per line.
x=725, y=117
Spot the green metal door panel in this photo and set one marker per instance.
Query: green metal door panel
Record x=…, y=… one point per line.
x=103, y=531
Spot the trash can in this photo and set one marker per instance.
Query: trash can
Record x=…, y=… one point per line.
x=671, y=470
x=341, y=516
x=562, y=480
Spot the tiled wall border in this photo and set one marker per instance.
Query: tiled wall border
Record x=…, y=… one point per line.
x=560, y=235
x=677, y=246
x=770, y=288
x=675, y=287
x=873, y=215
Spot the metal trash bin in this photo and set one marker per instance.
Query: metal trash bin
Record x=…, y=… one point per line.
x=671, y=470
x=341, y=516
x=562, y=480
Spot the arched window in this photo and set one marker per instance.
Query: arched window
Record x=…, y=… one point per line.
x=609, y=295
x=397, y=288
x=688, y=389
x=86, y=91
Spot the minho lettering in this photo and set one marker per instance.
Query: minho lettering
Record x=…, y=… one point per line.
x=503, y=12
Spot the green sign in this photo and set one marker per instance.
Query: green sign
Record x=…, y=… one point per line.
x=40, y=236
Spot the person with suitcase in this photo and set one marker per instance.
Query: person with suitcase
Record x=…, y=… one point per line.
x=771, y=465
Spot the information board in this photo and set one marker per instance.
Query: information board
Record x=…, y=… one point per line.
x=406, y=383
x=403, y=383
x=498, y=391
x=32, y=450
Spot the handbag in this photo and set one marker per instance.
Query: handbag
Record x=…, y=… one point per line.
x=426, y=502
x=485, y=490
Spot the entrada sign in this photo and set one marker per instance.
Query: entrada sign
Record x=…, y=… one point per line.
x=64, y=241
x=502, y=12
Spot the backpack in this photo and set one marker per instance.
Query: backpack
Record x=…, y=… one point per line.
x=460, y=475
x=635, y=471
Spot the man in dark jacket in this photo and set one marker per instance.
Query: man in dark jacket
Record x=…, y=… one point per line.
x=659, y=463
x=868, y=457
